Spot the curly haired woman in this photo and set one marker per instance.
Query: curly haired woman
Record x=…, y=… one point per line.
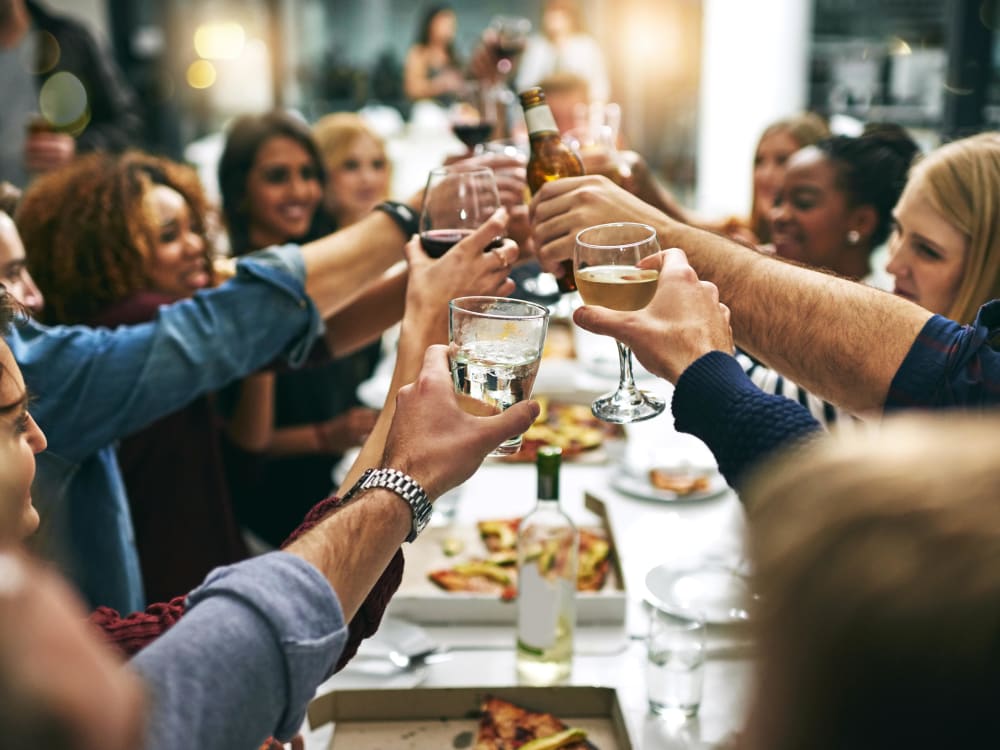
x=136, y=238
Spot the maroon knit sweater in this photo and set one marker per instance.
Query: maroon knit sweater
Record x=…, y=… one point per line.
x=134, y=632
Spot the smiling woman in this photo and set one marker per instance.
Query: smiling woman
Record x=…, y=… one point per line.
x=135, y=240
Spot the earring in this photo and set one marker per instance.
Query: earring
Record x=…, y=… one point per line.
x=853, y=237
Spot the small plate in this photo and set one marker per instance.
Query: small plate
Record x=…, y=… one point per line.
x=720, y=593
x=638, y=485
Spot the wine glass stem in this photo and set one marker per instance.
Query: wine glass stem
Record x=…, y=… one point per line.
x=625, y=380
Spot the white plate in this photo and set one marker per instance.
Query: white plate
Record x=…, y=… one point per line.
x=718, y=592
x=638, y=485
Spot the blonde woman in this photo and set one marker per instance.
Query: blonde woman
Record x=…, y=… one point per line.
x=358, y=171
x=945, y=252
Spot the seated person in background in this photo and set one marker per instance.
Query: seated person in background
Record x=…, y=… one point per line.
x=777, y=143
x=874, y=559
x=358, y=171
x=284, y=614
x=858, y=347
x=564, y=46
x=272, y=177
x=834, y=206
x=431, y=69
x=56, y=54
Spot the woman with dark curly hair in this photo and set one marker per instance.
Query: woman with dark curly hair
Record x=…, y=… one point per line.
x=136, y=239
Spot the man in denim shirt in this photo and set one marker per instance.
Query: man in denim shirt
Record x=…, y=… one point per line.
x=94, y=386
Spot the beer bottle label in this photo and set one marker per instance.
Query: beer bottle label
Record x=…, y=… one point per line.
x=540, y=120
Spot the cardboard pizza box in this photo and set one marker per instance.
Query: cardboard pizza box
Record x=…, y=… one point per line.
x=448, y=717
x=419, y=600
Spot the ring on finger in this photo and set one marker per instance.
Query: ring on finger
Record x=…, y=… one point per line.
x=504, y=263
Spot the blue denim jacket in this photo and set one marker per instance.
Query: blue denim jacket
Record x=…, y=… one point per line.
x=94, y=386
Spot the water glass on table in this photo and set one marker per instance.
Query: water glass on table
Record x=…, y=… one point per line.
x=495, y=345
x=675, y=662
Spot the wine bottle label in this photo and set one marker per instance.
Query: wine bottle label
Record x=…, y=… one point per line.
x=539, y=603
x=540, y=120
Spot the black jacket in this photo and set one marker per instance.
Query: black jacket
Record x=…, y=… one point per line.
x=115, y=122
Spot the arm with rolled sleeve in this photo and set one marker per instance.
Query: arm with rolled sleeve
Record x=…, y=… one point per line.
x=93, y=386
x=244, y=662
x=951, y=365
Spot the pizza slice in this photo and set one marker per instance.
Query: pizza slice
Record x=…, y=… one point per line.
x=506, y=726
x=477, y=577
x=500, y=538
x=680, y=483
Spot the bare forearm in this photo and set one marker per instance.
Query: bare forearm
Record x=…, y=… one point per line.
x=353, y=546
x=367, y=317
x=839, y=339
x=412, y=345
x=341, y=264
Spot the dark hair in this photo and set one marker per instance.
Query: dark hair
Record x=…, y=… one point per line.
x=10, y=196
x=11, y=311
x=872, y=168
x=244, y=139
x=95, y=255
x=424, y=28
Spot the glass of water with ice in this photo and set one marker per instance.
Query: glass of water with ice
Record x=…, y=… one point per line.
x=495, y=344
x=675, y=662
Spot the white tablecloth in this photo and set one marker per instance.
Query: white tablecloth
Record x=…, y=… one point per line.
x=648, y=533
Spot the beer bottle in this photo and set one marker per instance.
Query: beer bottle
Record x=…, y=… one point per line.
x=550, y=158
x=547, y=559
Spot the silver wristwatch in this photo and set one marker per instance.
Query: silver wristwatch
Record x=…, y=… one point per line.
x=403, y=485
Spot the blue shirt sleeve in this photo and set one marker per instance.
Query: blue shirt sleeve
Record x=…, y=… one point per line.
x=93, y=386
x=715, y=401
x=950, y=365
x=243, y=663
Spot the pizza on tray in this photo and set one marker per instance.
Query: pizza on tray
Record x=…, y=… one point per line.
x=569, y=426
x=496, y=572
x=506, y=726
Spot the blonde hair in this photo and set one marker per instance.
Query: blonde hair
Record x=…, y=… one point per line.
x=962, y=181
x=877, y=561
x=805, y=129
x=335, y=134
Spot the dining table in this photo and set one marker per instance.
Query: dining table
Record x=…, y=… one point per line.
x=649, y=533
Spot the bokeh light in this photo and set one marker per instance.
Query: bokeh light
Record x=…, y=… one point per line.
x=219, y=41
x=201, y=74
x=62, y=100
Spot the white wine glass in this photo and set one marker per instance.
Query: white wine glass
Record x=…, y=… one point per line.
x=605, y=260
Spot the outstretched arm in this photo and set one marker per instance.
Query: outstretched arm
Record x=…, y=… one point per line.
x=683, y=335
x=812, y=327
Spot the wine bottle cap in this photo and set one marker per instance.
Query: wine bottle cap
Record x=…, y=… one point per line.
x=548, y=461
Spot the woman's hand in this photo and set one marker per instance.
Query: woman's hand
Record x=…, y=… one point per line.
x=463, y=271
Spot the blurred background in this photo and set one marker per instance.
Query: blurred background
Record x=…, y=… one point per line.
x=697, y=80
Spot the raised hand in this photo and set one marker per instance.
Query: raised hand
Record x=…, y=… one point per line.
x=433, y=440
x=683, y=321
x=463, y=271
x=562, y=208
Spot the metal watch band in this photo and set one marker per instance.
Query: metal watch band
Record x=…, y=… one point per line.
x=404, y=216
x=403, y=485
